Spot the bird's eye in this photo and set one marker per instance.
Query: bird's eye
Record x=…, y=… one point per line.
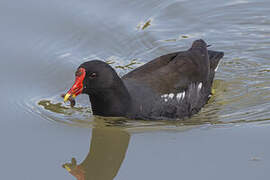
x=93, y=75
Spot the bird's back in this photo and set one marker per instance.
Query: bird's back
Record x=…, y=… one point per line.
x=174, y=85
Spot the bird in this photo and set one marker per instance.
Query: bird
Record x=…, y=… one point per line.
x=173, y=86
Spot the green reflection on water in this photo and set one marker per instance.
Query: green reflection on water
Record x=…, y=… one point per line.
x=59, y=108
x=148, y=23
x=144, y=25
x=176, y=39
x=107, y=152
x=130, y=65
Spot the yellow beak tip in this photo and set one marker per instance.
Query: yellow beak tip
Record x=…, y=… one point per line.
x=66, y=97
x=67, y=168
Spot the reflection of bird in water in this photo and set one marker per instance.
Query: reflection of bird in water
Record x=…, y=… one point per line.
x=107, y=152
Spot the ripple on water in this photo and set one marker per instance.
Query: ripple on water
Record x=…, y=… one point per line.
x=54, y=110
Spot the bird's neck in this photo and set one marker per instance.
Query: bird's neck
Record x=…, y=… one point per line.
x=111, y=102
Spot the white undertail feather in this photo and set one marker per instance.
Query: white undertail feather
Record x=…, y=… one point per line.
x=200, y=86
x=217, y=67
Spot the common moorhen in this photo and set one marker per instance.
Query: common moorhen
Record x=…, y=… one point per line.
x=172, y=86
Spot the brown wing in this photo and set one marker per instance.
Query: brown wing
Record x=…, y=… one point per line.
x=173, y=72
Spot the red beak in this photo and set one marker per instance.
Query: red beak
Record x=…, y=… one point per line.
x=77, y=87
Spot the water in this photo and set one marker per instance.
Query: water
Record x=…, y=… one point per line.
x=44, y=41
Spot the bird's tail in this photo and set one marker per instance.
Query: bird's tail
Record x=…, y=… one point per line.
x=214, y=57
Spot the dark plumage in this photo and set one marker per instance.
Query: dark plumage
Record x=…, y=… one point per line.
x=172, y=86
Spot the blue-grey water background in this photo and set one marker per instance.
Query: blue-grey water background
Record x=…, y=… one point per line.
x=42, y=43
